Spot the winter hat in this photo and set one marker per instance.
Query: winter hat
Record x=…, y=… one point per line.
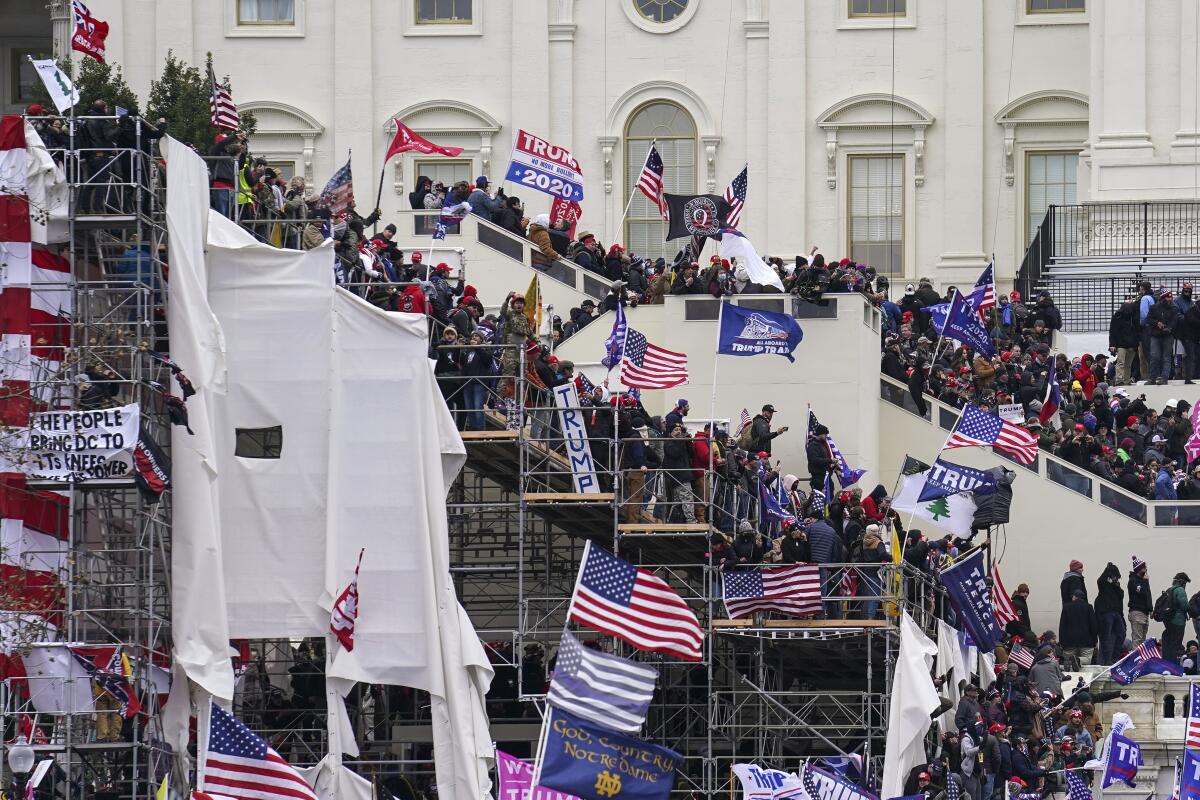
x=909, y=289
x=1137, y=563
x=1131, y=420
x=1076, y=565
x=1127, y=444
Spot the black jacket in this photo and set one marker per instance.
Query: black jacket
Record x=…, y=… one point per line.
x=1072, y=582
x=509, y=219
x=1165, y=313
x=1110, y=596
x=819, y=461
x=1140, y=597
x=761, y=435
x=1077, y=625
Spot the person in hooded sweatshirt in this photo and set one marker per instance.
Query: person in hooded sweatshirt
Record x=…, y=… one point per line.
x=1110, y=620
x=1072, y=581
x=873, y=503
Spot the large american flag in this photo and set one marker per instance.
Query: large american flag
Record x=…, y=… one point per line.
x=650, y=181
x=977, y=428
x=608, y=690
x=793, y=590
x=1191, y=736
x=238, y=763
x=221, y=105
x=338, y=193
x=735, y=196
x=648, y=366
x=1002, y=604
x=634, y=605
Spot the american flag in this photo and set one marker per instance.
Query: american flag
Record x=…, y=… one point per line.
x=977, y=428
x=846, y=475
x=239, y=764
x=650, y=181
x=634, y=605
x=1191, y=736
x=338, y=193
x=585, y=385
x=1076, y=788
x=611, y=691
x=221, y=105
x=983, y=296
x=648, y=366
x=793, y=590
x=735, y=196
x=952, y=789
x=743, y=421
x=1002, y=604
x=345, y=610
x=1021, y=655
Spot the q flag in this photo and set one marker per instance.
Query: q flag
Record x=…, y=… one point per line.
x=967, y=587
x=695, y=215
x=962, y=324
x=589, y=761
x=546, y=167
x=750, y=332
x=945, y=479
x=1189, y=777
x=1125, y=756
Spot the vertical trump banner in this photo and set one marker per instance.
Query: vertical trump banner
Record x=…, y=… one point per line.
x=570, y=415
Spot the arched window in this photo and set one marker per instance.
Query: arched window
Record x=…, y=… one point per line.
x=1169, y=706
x=674, y=132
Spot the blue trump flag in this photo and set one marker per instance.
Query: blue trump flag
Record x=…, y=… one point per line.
x=1189, y=776
x=750, y=332
x=945, y=478
x=1124, y=758
x=967, y=587
x=962, y=324
x=772, y=508
x=1145, y=659
x=593, y=762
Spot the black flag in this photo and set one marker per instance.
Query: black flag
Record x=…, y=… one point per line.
x=151, y=467
x=695, y=215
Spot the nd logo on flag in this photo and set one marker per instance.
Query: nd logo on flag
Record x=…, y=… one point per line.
x=590, y=761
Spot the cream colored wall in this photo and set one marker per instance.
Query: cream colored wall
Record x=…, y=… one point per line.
x=834, y=361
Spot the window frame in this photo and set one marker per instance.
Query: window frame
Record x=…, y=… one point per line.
x=852, y=14
x=409, y=26
x=416, y=15
x=630, y=182
x=1027, y=230
x=851, y=157
x=268, y=440
x=686, y=3
x=1031, y=11
x=16, y=53
x=242, y=23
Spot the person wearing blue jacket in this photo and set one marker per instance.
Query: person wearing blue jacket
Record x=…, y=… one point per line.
x=1164, y=485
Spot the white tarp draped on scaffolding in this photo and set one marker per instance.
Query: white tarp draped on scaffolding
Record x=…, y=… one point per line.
x=367, y=450
x=913, y=700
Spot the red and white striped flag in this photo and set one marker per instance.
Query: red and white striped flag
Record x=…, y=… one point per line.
x=794, y=590
x=239, y=764
x=635, y=605
x=743, y=420
x=735, y=196
x=648, y=366
x=1021, y=655
x=1191, y=736
x=221, y=105
x=1002, y=605
x=345, y=610
x=650, y=181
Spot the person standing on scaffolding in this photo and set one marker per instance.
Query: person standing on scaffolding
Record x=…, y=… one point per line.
x=517, y=331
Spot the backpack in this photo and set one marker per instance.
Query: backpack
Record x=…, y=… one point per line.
x=1164, y=607
x=746, y=437
x=1193, y=610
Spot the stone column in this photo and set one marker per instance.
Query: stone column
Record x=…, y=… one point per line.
x=1188, y=134
x=1122, y=80
x=757, y=29
x=963, y=233
x=61, y=27
x=355, y=96
x=561, y=76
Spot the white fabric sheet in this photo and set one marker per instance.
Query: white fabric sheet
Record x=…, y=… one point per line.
x=950, y=655
x=913, y=699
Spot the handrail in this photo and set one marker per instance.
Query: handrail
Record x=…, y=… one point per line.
x=1166, y=513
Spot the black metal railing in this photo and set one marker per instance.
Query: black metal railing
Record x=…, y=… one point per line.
x=1037, y=258
x=1122, y=232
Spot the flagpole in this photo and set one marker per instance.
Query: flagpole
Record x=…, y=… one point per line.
x=712, y=422
x=632, y=194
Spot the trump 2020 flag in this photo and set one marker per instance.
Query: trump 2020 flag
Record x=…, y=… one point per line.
x=593, y=762
x=962, y=324
x=1124, y=758
x=967, y=587
x=1189, y=776
x=750, y=332
x=945, y=478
